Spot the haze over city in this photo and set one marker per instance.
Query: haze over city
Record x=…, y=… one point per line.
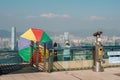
x=78, y=17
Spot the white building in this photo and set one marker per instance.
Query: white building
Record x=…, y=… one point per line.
x=13, y=38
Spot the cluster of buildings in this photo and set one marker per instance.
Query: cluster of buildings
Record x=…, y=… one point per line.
x=11, y=43
x=84, y=41
x=5, y=43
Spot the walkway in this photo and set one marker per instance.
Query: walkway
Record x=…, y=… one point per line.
x=108, y=74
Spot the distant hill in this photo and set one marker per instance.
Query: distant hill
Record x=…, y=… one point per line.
x=79, y=33
x=7, y=34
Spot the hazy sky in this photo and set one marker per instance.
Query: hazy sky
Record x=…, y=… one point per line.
x=82, y=17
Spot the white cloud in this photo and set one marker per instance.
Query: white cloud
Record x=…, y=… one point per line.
x=50, y=15
x=96, y=18
x=28, y=17
x=53, y=15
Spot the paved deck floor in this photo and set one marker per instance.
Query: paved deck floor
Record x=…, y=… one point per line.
x=108, y=74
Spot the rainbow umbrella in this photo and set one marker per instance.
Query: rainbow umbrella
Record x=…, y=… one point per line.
x=28, y=39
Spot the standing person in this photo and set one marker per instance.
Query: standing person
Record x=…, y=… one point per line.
x=55, y=52
x=67, y=52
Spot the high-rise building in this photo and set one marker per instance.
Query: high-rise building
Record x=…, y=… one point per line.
x=66, y=36
x=13, y=38
x=117, y=42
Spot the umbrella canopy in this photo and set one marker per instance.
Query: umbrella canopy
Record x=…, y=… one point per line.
x=33, y=35
x=36, y=35
x=24, y=49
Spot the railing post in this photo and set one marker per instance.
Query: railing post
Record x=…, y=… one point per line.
x=44, y=56
x=37, y=54
x=50, y=61
x=31, y=52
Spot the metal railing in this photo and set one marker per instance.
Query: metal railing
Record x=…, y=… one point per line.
x=10, y=57
x=80, y=59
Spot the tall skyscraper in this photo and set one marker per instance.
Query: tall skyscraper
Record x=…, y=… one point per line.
x=13, y=38
x=66, y=36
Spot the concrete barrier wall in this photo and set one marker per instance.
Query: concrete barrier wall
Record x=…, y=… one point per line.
x=79, y=64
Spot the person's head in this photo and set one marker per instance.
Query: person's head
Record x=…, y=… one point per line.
x=55, y=44
x=67, y=43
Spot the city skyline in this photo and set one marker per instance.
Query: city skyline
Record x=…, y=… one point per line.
x=79, y=17
x=7, y=42
x=75, y=41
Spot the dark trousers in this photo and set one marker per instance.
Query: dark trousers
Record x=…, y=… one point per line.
x=66, y=58
x=55, y=58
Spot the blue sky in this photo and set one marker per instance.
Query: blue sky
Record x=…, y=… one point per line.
x=81, y=17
